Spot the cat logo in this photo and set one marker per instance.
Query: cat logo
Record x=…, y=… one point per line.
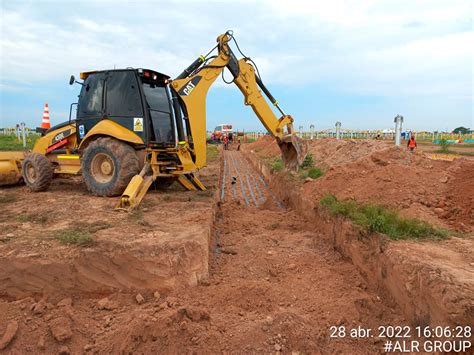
x=189, y=87
x=138, y=124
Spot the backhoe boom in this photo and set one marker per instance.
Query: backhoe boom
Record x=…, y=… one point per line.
x=190, y=89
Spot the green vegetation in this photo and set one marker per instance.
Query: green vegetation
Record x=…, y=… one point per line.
x=443, y=146
x=8, y=142
x=277, y=164
x=212, y=152
x=462, y=130
x=74, y=237
x=35, y=218
x=307, y=162
x=7, y=198
x=308, y=169
x=80, y=233
x=314, y=173
x=375, y=218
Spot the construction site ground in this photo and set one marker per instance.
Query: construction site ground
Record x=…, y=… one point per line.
x=237, y=268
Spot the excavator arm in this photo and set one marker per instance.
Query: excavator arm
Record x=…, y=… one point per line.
x=189, y=91
x=189, y=94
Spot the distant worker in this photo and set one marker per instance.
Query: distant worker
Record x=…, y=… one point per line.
x=225, y=140
x=411, y=143
x=238, y=143
x=231, y=137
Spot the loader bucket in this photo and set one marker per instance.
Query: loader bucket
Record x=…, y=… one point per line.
x=293, y=151
x=10, y=167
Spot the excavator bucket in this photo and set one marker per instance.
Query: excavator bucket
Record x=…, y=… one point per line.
x=10, y=167
x=293, y=151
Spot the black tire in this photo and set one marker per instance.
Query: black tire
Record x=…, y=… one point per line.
x=37, y=172
x=108, y=165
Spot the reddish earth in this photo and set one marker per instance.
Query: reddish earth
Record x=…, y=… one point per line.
x=276, y=282
x=370, y=171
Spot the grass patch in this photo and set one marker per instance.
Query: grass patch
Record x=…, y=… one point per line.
x=315, y=173
x=34, y=218
x=74, y=237
x=8, y=142
x=276, y=164
x=212, y=152
x=7, y=198
x=376, y=218
x=80, y=233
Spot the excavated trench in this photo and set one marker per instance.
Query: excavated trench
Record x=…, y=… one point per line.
x=425, y=293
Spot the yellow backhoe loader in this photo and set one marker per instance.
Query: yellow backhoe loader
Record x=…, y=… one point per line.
x=136, y=127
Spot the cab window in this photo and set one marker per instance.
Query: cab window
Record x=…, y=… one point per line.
x=123, y=95
x=91, y=98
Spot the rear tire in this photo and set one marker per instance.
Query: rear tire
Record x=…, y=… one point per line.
x=37, y=172
x=108, y=165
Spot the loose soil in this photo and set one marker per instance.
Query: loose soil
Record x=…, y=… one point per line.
x=276, y=283
x=370, y=171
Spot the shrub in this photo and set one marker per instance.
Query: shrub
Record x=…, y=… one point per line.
x=314, y=173
x=307, y=162
x=443, y=146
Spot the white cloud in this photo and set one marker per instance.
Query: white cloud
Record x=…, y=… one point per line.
x=388, y=48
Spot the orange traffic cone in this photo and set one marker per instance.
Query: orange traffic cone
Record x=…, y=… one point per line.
x=46, y=123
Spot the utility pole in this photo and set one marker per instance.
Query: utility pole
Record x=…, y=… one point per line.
x=23, y=133
x=338, y=130
x=398, y=128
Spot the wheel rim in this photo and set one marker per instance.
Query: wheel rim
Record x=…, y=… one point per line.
x=102, y=168
x=30, y=172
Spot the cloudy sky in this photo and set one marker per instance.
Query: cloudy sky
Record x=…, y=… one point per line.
x=360, y=62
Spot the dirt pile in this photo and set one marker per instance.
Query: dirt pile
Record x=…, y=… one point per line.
x=369, y=171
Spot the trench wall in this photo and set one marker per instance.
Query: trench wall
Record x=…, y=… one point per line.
x=425, y=294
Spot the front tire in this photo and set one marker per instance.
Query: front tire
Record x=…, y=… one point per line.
x=37, y=172
x=108, y=165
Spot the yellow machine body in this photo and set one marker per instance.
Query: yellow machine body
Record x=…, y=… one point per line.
x=65, y=152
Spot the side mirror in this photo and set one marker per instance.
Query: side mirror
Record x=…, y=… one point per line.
x=72, y=80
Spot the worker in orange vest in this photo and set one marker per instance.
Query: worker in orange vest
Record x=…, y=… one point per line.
x=411, y=143
x=225, y=140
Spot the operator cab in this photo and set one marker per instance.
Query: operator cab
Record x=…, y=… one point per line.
x=137, y=99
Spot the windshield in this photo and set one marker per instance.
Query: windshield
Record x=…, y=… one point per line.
x=156, y=97
x=162, y=124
